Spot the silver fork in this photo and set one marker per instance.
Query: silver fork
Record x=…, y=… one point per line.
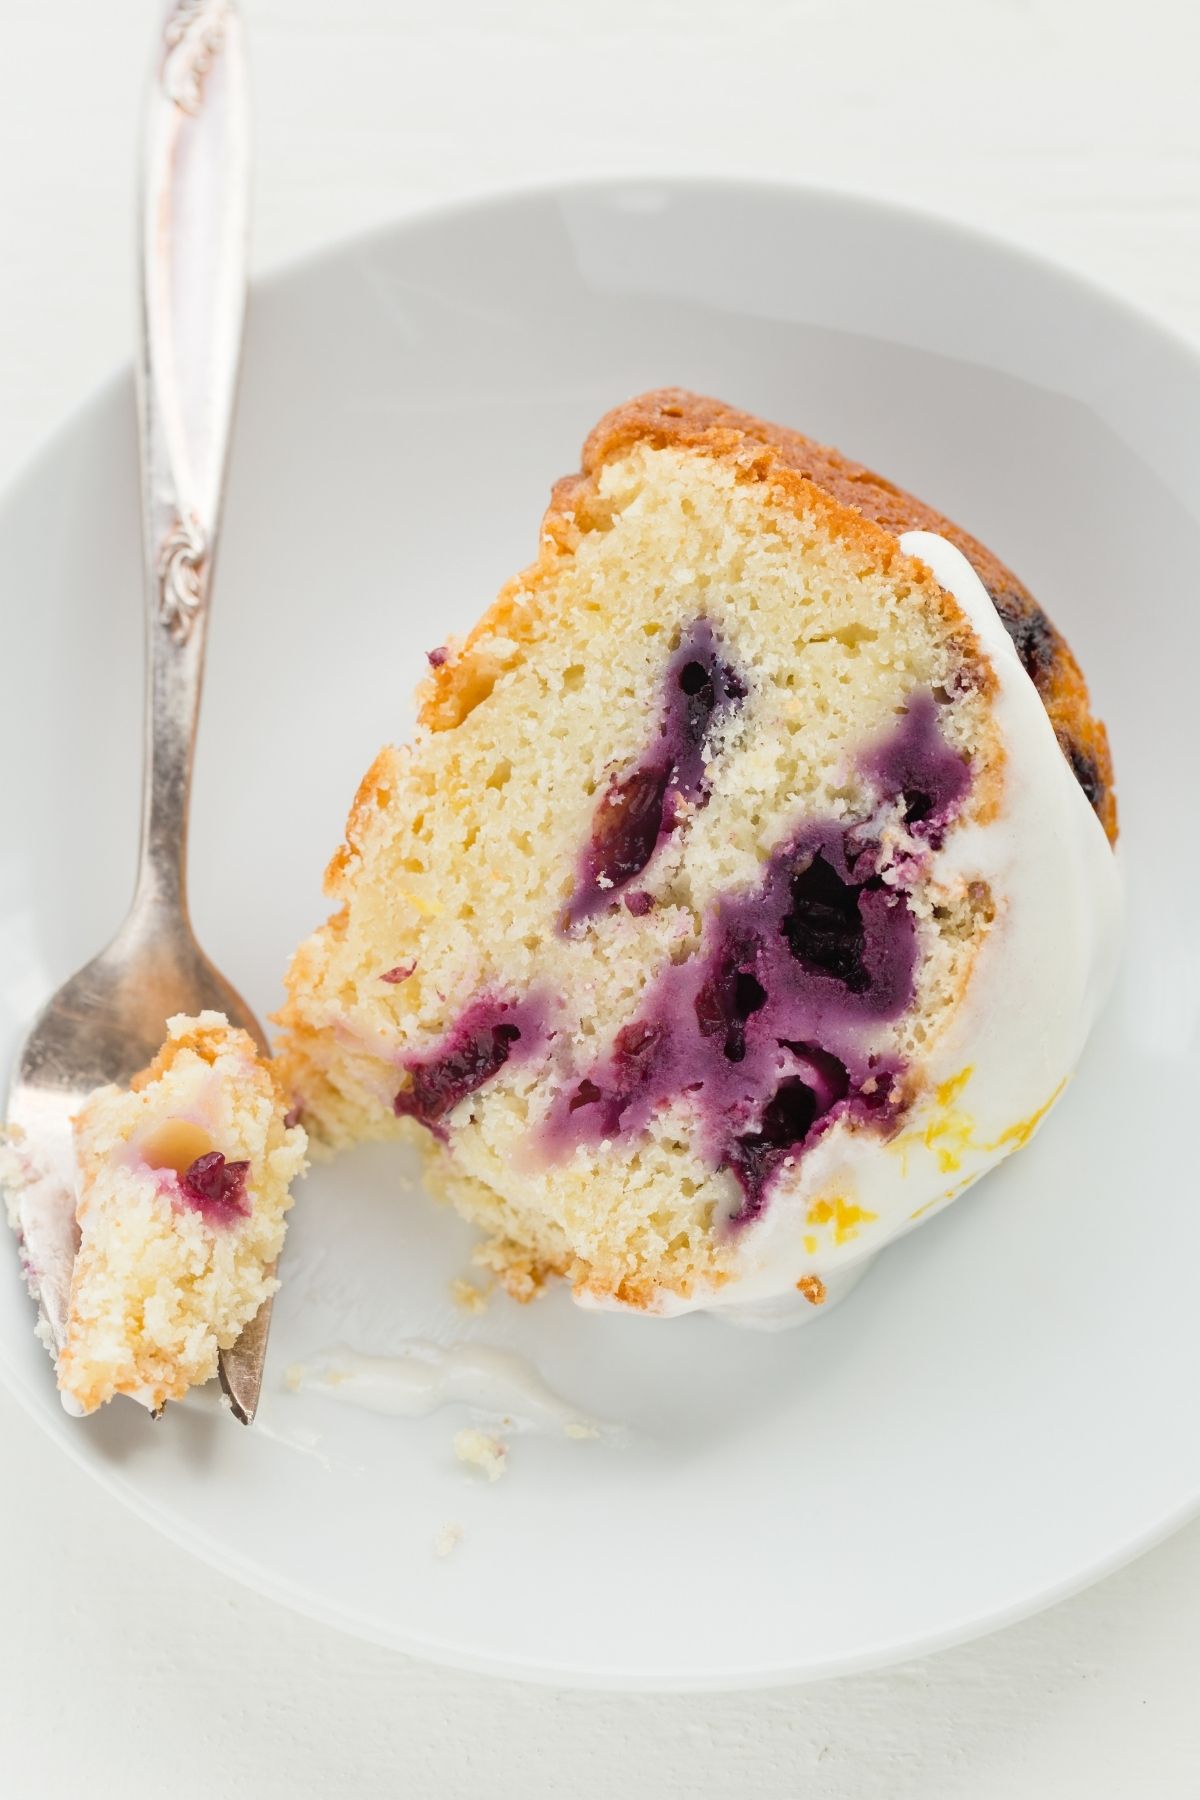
x=107, y=1021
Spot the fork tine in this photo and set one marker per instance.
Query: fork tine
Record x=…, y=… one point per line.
x=241, y=1368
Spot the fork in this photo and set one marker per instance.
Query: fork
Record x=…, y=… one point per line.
x=109, y=1019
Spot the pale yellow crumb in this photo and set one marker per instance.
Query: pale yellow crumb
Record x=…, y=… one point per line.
x=447, y=1539
x=579, y=1428
x=470, y=1298
x=481, y=1451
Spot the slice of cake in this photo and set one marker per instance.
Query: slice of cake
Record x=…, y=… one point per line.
x=184, y=1182
x=746, y=893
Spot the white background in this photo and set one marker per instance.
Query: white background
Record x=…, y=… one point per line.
x=1071, y=125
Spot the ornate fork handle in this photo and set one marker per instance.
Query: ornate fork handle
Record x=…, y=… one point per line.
x=194, y=217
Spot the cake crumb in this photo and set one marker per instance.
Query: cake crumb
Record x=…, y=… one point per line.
x=447, y=1539
x=581, y=1428
x=482, y=1451
x=813, y=1289
x=470, y=1298
x=183, y=1183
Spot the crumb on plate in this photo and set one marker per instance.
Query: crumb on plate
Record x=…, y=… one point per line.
x=470, y=1298
x=482, y=1451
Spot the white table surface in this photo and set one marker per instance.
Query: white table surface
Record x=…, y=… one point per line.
x=1072, y=125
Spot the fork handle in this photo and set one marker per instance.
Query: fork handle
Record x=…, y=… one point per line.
x=193, y=234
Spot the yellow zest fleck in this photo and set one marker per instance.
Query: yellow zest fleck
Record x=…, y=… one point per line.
x=941, y=1199
x=1020, y=1133
x=948, y=1091
x=843, y=1215
x=428, y=909
x=810, y=1244
x=950, y=1133
x=813, y=1289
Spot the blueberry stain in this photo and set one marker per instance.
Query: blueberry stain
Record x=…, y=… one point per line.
x=490, y=1033
x=216, y=1188
x=642, y=806
x=771, y=1028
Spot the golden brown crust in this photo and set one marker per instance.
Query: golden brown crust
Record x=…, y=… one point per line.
x=524, y=1274
x=207, y=1042
x=799, y=468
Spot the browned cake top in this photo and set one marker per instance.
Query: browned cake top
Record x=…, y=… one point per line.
x=674, y=418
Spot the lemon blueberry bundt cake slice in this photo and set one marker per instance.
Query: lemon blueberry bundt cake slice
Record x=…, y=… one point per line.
x=746, y=892
x=184, y=1182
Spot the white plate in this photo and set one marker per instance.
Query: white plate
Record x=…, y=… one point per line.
x=1006, y=1407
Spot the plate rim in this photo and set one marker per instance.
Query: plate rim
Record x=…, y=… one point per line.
x=487, y=196
x=227, y=1561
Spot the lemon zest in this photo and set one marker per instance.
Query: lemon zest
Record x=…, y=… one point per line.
x=844, y=1215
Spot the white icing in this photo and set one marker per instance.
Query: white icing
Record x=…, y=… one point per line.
x=1040, y=977
x=498, y=1384
x=39, y=1182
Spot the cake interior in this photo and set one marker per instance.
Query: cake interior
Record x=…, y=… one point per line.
x=185, y=1181
x=657, y=905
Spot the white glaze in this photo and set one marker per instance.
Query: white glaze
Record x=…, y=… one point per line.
x=39, y=1191
x=1039, y=981
x=422, y=1376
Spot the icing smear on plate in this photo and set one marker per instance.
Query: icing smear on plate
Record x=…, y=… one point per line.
x=423, y=1376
